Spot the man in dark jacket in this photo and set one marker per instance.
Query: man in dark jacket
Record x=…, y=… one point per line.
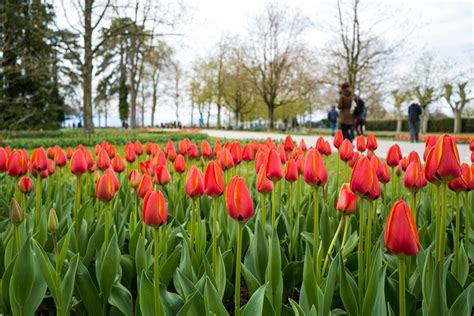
x=332, y=119
x=414, y=112
x=346, y=119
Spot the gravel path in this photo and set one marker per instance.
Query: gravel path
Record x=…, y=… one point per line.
x=383, y=145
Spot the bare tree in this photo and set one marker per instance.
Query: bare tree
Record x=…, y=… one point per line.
x=399, y=97
x=177, y=82
x=459, y=104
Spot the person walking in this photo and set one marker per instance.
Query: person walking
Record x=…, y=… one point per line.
x=360, y=113
x=414, y=112
x=345, y=106
x=333, y=115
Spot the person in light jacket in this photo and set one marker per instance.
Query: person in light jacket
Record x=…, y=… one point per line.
x=346, y=119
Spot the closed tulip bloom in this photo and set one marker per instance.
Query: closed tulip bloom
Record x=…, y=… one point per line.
x=162, y=175
x=103, y=160
x=16, y=164
x=238, y=200
x=320, y=145
x=471, y=144
x=134, y=178
x=69, y=152
x=282, y=153
x=291, y=171
x=213, y=179
x=289, y=144
x=360, y=141
x=236, y=152
x=104, y=189
x=137, y=146
x=463, y=182
x=60, y=157
x=130, y=155
x=193, y=152
x=39, y=160
x=206, y=149
x=404, y=163
x=260, y=160
x=371, y=142
x=145, y=185
x=115, y=180
x=90, y=160
x=78, y=163
x=53, y=223
x=225, y=159
x=377, y=165
x=172, y=154
x=148, y=147
x=401, y=234
x=273, y=167
x=444, y=164
x=117, y=164
x=364, y=180
x=50, y=152
x=263, y=184
x=345, y=150
x=347, y=200
x=112, y=151
x=25, y=185
x=354, y=159
x=248, y=153
x=154, y=210
x=179, y=164
x=431, y=141
x=300, y=164
x=255, y=145
x=51, y=167
x=8, y=150
x=3, y=159
x=97, y=149
x=338, y=138
x=194, y=183
x=217, y=147
x=315, y=172
x=414, y=179
x=384, y=175
x=169, y=146
x=328, y=150
x=472, y=157
x=146, y=167
x=183, y=147
x=394, y=155
x=413, y=156
x=302, y=145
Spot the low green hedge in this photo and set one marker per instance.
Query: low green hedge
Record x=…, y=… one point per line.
x=434, y=125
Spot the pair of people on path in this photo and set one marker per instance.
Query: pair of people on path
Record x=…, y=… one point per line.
x=352, y=112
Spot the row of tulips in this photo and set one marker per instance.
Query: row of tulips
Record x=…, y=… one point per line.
x=81, y=244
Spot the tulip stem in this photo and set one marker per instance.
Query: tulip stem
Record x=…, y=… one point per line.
x=413, y=205
x=290, y=206
x=346, y=172
x=438, y=219
x=368, y=236
x=263, y=211
x=316, y=231
x=457, y=233
x=156, y=279
x=77, y=203
x=442, y=229
x=237, y=270
x=17, y=237
x=401, y=285
x=337, y=172
x=135, y=210
x=344, y=236
x=193, y=210
x=333, y=242
x=38, y=201
x=360, y=255
x=274, y=207
x=198, y=222
x=106, y=226
x=214, y=234
x=467, y=223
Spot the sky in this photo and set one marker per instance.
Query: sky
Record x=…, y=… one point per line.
x=443, y=28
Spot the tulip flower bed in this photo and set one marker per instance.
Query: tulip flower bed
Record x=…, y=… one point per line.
x=236, y=229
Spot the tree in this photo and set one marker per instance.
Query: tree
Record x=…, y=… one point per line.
x=459, y=104
x=274, y=40
x=176, y=78
x=103, y=98
x=399, y=97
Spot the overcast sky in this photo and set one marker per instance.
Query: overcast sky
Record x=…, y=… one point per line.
x=443, y=28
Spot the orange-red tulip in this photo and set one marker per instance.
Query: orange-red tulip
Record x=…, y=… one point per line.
x=39, y=160
x=213, y=179
x=154, y=210
x=115, y=180
x=238, y=200
x=320, y=145
x=194, y=186
x=328, y=150
x=315, y=172
x=148, y=148
x=172, y=154
x=104, y=189
x=217, y=147
x=16, y=164
x=162, y=175
x=25, y=185
x=260, y=160
x=206, y=149
x=236, y=152
x=394, y=155
x=225, y=159
x=384, y=173
x=463, y=182
x=282, y=153
x=371, y=142
x=60, y=157
x=130, y=155
x=347, y=200
x=300, y=164
x=443, y=164
x=50, y=152
x=117, y=164
x=413, y=156
x=414, y=179
x=401, y=234
x=360, y=141
x=103, y=160
x=193, y=152
x=338, y=138
x=78, y=162
x=51, y=167
x=289, y=144
x=180, y=164
x=263, y=184
x=3, y=159
x=183, y=147
x=364, y=180
x=302, y=145
x=145, y=185
x=69, y=153
x=273, y=167
x=134, y=178
x=137, y=146
x=169, y=145
x=248, y=153
x=345, y=150
x=291, y=171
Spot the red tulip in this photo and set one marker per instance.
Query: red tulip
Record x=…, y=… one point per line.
x=260, y=160
x=300, y=164
x=320, y=145
x=360, y=141
x=431, y=141
x=291, y=171
x=50, y=152
x=145, y=185
x=225, y=159
x=39, y=160
x=148, y=148
x=172, y=154
x=162, y=175
x=263, y=184
x=206, y=149
x=471, y=144
x=248, y=153
x=25, y=185
x=51, y=167
x=238, y=200
x=134, y=178
x=103, y=160
x=345, y=150
x=169, y=146
x=213, y=179
x=463, y=182
x=78, y=162
x=288, y=143
x=105, y=190
x=401, y=234
x=364, y=180
x=3, y=159
x=69, y=153
x=472, y=156
x=137, y=146
x=394, y=155
x=413, y=156
x=180, y=164
x=315, y=172
x=236, y=152
x=193, y=152
x=371, y=142
x=183, y=147
x=194, y=182
x=328, y=150
x=338, y=138
x=282, y=153
x=130, y=155
x=443, y=164
x=117, y=164
x=414, y=179
x=273, y=167
x=59, y=157
x=217, y=147
x=347, y=200
x=384, y=175
x=154, y=210
x=145, y=167
x=302, y=145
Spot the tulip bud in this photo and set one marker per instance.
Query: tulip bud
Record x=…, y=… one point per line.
x=154, y=210
x=247, y=153
x=463, y=182
x=206, y=150
x=213, y=179
x=364, y=180
x=193, y=152
x=145, y=186
x=16, y=212
x=238, y=200
x=443, y=164
x=105, y=189
x=315, y=172
x=347, y=200
x=3, y=159
x=134, y=178
x=225, y=159
x=162, y=175
x=394, y=155
x=289, y=144
x=25, y=185
x=263, y=184
x=103, y=160
x=236, y=152
x=180, y=164
x=320, y=145
x=117, y=164
x=360, y=141
x=371, y=142
x=273, y=167
x=291, y=171
x=302, y=145
x=53, y=223
x=78, y=162
x=194, y=186
x=345, y=150
x=401, y=234
x=413, y=179
x=338, y=138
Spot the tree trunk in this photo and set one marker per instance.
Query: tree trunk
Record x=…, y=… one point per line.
x=271, y=112
x=399, y=124
x=457, y=121
x=424, y=120
x=87, y=69
x=236, y=113
x=153, y=106
x=106, y=113
x=133, y=107
x=219, y=115
x=192, y=114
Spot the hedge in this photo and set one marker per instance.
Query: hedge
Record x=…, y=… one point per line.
x=434, y=125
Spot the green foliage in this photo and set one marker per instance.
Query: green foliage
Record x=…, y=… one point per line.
x=434, y=125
